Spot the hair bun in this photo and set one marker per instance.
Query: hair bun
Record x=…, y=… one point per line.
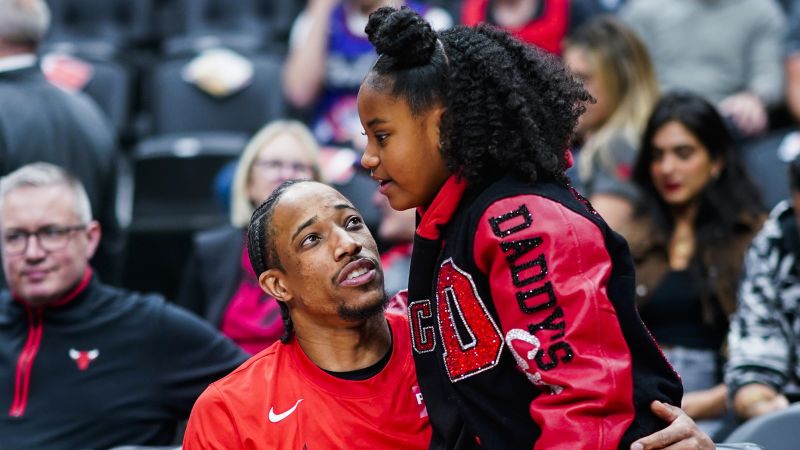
x=402, y=34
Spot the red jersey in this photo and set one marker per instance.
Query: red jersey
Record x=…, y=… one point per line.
x=279, y=399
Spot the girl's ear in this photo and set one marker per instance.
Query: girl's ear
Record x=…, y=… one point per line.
x=433, y=123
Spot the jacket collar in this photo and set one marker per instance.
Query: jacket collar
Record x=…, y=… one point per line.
x=438, y=214
x=17, y=62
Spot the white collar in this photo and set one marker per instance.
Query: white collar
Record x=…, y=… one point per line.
x=16, y=62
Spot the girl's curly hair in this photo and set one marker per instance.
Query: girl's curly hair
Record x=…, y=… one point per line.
x=510, y=108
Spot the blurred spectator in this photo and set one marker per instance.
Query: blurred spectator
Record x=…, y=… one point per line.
x=329, y=55
x=396, y=228
x=219, y=283
x=763, y=341
x=40, y=122
x=792, y=61
x=84, y=364
x=728, y=51
x=615, y=68
x=697, y=216
x=543, y=23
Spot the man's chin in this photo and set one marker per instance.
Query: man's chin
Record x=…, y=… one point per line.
x=36, y=297
x=364, y=311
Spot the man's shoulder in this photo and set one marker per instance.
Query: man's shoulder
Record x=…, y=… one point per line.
x=263, y=362
x=131, y=308
x=124, y=298
x=254, y=379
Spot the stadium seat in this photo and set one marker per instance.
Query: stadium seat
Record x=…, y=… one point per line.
x=279, y=15
x=773, y=431
x=99, y=28
x=172, y=180
x=228, y=23
x=107, y=82
x=166, y=192
x=766, y=160
x=179, y=106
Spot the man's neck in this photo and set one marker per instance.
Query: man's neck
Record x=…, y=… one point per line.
x=346, y=349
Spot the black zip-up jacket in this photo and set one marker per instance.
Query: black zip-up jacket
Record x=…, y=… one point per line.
x=102, y=367
x=524, y=329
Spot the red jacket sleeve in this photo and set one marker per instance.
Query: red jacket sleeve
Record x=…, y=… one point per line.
x=211, y=425
x=548, y=269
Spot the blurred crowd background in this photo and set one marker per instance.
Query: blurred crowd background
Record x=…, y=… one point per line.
x=205, y=106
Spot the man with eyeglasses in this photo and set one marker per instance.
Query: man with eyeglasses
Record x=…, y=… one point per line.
x=84, y=364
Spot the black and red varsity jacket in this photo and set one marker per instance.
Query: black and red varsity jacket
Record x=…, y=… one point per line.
x=524, y=329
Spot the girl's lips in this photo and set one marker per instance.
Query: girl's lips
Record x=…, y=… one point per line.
x=384, y=186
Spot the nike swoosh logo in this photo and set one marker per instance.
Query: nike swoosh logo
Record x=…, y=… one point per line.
x=275, y=418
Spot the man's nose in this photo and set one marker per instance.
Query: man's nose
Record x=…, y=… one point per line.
x=345, y=244
x=33, y=249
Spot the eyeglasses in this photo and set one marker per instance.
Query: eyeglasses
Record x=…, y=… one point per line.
x=276, y=166
x=50, y=238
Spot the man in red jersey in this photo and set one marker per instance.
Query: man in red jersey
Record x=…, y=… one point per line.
x=342, y=375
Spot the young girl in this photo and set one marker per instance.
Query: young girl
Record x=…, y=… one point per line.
x=523, y=324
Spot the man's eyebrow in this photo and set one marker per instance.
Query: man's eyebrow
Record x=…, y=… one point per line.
x=305, y=224
x=346, y=206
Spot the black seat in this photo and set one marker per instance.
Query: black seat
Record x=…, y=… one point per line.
x=100, y=28
x=227, y=23
x=766, y=159
x=279, y=16
x=167, y=196
x=179, y=106
x=173, y=179
x=772, y=431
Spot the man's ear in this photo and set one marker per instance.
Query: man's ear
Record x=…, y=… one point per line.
x=92, y=238
x=273, y=282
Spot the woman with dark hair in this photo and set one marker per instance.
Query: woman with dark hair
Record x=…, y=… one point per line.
x=524, y=328
x=698, y=213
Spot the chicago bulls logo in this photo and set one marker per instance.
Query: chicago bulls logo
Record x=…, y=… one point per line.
x=83, y=357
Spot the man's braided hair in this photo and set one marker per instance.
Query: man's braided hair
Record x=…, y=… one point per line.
x=261, y=246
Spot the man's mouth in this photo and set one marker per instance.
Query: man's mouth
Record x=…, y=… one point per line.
x=35, y=275
x=357, y=273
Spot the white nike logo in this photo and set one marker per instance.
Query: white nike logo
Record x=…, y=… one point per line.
x=275, y=418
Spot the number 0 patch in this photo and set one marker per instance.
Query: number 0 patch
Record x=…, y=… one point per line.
x=472, y=340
